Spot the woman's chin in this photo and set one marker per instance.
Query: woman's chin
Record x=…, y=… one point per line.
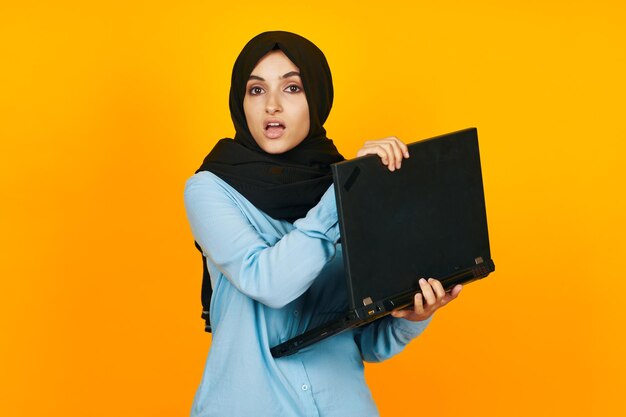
x=278, y=146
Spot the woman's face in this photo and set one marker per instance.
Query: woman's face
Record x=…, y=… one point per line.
x=275, y=105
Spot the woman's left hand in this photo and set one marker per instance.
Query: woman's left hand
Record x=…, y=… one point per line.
x=435, y=296
x=390, y=149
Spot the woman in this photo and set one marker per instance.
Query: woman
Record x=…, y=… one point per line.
x=262, y=209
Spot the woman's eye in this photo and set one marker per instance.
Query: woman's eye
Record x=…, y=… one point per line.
x=293, y=89
x=255, y=91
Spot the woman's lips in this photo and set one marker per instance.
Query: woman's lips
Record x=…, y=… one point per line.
x=274, y=130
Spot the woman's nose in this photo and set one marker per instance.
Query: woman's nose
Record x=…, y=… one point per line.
x=272, y=105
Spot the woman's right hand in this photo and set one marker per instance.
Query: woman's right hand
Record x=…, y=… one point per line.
x=390, y=149
x=432, y=298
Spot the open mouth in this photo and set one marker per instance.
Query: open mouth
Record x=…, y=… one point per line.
x=271, y=125
x=274, y=130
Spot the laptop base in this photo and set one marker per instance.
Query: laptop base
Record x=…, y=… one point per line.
x=366, y=314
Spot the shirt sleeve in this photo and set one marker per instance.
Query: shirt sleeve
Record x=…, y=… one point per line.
x=269, y=271
x=384, y=338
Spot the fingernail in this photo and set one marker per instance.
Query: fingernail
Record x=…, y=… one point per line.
x=422, y=281
x=406, y=154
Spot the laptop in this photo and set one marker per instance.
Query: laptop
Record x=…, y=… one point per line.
x=426, y=219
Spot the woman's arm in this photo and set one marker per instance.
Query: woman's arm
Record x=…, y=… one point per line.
x=386, y=337
x=269, y=271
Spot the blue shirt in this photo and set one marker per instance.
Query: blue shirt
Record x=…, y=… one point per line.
x=272, y=280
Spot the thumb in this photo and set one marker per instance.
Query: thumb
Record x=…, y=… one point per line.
x=399, y=313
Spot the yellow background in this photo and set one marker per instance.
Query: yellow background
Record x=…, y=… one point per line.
x=107, y=107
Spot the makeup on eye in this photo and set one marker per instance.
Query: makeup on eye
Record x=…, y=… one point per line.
x=255, y=90
x=297, y=88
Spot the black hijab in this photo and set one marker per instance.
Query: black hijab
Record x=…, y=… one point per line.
x=284, y=186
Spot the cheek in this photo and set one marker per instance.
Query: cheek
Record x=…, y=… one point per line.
x=248, y=111
x=303, y=119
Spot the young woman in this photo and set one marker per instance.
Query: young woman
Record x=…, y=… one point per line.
x=262, y=208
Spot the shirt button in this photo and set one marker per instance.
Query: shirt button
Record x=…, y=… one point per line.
x=305, y=387
x=295, y=313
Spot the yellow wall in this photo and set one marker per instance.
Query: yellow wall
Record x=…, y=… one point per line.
x=106, y=108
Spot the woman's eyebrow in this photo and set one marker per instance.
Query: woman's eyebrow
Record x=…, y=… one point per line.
x=291, y=74
x=287, y=75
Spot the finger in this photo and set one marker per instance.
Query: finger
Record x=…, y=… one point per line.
x=452, y=295
x=386, y=156
x=456, y=291
x=403, y=147
x=388, y=148
x=394, y=143
x=367, y=149
x=374, y=150
x=400, y=313
x=404, y=150
x=437, y=288
x=427, y=292
x=394, y=148
x=418, y=306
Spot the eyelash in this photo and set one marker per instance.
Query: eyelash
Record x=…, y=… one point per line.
x=252, y=90
x=296, y=86
x=252, y=93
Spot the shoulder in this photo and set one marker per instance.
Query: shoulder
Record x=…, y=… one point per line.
x=206, y=191
x=204, y=179
x=206, y=184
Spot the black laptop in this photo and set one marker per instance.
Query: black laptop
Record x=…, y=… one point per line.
x=426, y=219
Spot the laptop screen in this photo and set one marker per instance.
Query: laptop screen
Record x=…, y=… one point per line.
x=427, y=219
